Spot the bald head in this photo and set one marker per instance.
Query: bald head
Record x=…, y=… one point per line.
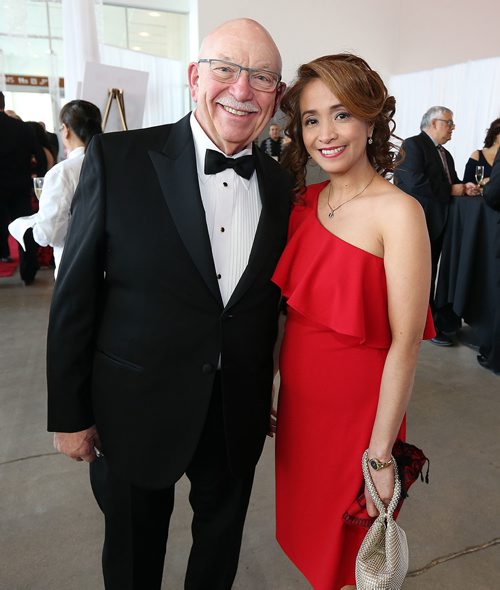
x=246, y=31
x=12, y=114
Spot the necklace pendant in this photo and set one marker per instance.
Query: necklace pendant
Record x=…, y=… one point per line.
x=331, y=214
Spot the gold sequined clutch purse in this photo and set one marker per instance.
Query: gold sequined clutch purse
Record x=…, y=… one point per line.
x=382, y=560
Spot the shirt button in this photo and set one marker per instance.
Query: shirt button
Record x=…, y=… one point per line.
x=224, y=184
x=219, y=276
x=222, y=229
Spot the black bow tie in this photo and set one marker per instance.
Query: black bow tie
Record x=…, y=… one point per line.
x=217, y=162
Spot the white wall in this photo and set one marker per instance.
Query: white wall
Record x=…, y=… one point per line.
x=451, y=32
x=307, y=29
x=394, y=36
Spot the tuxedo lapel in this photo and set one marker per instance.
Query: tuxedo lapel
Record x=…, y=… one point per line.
x=266, y=233
x=175, y=167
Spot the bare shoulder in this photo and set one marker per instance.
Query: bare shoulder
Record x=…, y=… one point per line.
x=393, y=203
x=399, y=215
x=475, y=155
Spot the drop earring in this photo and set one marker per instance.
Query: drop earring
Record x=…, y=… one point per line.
x=370, y=141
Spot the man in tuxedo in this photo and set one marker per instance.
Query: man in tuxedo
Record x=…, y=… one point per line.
x=161, y=360
x=17, y=149
x=428, y=174
x=489, y=354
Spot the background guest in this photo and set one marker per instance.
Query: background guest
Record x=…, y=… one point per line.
x=486, y=156
x=53, y=142
x=80, y=120
x=491, y=191
x=18, y=148
x=273, y=145
x=43, y=140
x=428, y=174
x=490, y=353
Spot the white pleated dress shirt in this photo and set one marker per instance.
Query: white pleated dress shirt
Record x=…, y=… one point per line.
x=50, y=224
x=232, y=208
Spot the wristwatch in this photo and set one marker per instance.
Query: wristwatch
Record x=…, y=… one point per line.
x=378, y=465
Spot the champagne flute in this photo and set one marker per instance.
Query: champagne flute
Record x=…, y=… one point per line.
x=38, y=186
x=479, y=177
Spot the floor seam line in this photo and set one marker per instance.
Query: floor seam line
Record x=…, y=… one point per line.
x=455, y=555
x=28, y=457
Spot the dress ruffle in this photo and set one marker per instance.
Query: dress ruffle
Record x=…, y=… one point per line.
x=318, y=268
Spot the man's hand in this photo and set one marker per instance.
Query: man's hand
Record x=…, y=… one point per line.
x=472, y=190
x=80, y=446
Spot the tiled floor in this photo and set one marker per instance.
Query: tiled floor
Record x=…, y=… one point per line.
x=51, y=529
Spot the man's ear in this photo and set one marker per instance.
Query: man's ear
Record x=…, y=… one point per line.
x=279, y=95
x=193, y=76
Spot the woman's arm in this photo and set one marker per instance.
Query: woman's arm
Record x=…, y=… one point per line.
x=407, y=262
x=470, y=168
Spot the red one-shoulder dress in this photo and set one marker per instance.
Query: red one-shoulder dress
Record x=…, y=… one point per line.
x=336, y=341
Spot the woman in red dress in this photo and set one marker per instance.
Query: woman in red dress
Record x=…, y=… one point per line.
x=356, y=277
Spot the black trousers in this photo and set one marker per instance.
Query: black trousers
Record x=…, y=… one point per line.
x=137, y=520
x=11, y=207
x=439, y=316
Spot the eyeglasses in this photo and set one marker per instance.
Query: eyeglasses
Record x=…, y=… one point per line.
x=227, y=72
x=449, y=122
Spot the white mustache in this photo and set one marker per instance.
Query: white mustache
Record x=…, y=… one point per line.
x=236, y=105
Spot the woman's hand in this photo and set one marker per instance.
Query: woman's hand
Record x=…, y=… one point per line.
x=273, y=415
x=384, y=484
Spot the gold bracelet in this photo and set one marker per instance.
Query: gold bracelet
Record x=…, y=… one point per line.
x=377, y=465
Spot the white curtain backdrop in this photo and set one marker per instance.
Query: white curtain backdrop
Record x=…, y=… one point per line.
x=166, y=91
x=166, y=99
x=471, y=90
x=80, y=42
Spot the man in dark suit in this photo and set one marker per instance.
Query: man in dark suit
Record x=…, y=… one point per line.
x=428, y=174
x=489, y=356
x=161, y=360
x=17, y=149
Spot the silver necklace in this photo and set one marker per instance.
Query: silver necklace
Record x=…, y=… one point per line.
x=333, y=209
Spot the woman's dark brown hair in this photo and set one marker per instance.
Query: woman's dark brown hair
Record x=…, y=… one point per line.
x=362, y=92
x=83, y=118
x=491, y=134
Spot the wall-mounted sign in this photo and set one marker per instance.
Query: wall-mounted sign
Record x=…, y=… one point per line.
x=31, y=81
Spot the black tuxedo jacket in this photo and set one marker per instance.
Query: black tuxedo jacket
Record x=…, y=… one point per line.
x=422, y=175
x=137, y=323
